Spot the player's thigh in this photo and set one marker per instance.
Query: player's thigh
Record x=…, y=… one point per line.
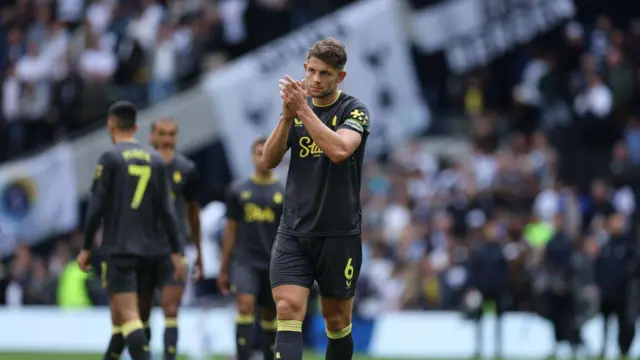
x=122, y=276
x=264, y=296
x=290, y=263
x=172, y=289
x=245, y=285
x=337, y=267
x=291, y=276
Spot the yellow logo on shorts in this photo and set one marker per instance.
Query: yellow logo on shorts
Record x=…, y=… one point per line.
x=277, y=198
x=177, y=177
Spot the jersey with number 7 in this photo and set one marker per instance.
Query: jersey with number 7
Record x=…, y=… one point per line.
x=131, y=195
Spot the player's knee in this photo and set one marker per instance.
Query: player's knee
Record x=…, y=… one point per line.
x=289, y=309
x=170, y=310
x=245, y=305
x=336, y=321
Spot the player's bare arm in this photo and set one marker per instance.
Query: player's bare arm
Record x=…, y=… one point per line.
x=276, y=145
x=170, y=222
x=336, y=145
x=193, y=216
x=228, y=242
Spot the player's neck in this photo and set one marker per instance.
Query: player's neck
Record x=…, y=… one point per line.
x=263, y=178
x=124, y=138
x=327, y=100
x=167, y=154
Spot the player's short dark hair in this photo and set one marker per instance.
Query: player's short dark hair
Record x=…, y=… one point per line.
x=330, y=51
x=125, y=114
x=259, y=141
x=161, y=119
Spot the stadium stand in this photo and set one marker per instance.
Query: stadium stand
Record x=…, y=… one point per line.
x=63, y=62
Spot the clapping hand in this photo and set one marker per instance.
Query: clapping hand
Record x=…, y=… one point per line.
x=293, y=94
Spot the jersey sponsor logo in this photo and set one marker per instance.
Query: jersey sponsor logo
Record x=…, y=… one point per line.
x=244, y=195
x=136, y=154
x=354, y=125
x=255, y=213
x=177, y=177
x=309, y=147
x=277, y=198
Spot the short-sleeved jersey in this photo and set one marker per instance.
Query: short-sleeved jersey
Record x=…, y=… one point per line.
x=322, y=198
x=256, y=207
x=184, y=180
x=131, y=196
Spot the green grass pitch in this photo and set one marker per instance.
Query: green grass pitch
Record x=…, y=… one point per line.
x=7, y=356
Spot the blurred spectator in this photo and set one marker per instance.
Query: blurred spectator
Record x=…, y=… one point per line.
x=75, y=56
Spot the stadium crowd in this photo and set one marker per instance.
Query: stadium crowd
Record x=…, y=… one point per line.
x=63, y=62
x=559, y=162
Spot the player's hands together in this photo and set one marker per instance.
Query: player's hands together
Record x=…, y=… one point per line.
x=179, y=267
x=83, y=260
x=293, y=93
x=223, y=281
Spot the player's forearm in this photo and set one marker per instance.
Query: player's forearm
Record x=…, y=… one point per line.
x=194, y=223
x=228, y=242
x=330, y=142
x=170, y=223
x=276, y=145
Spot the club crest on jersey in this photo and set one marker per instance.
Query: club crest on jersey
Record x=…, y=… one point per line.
x=177, y=177
x=245, y=195
x=277, y=198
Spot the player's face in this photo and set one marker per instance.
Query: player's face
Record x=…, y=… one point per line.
x=322, y=78
x=163, y=136
x=257, y=154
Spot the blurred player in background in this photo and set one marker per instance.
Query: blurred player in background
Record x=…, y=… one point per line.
x=184, y=184
x=254, y=208
x=130, y=195
x=319, y=237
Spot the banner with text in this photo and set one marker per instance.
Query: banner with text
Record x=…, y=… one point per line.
x=37, y=197
x=380, y=73
x=474, y=32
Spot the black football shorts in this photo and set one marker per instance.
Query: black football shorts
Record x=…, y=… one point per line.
x=246, y=279
x=128, y=273
x=333, y=262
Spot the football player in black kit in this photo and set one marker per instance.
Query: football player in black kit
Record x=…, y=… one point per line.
x=254, y=208
x=131, y=198
x=184, y=180
x=319, y=234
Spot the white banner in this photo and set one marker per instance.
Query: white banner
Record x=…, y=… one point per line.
x=401, y=335
x=379, y=72
x=38, y=197
x=474, y=32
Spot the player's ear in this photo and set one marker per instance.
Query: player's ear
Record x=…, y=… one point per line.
x=135, y=127
x=341, y=75
x=305, y=67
